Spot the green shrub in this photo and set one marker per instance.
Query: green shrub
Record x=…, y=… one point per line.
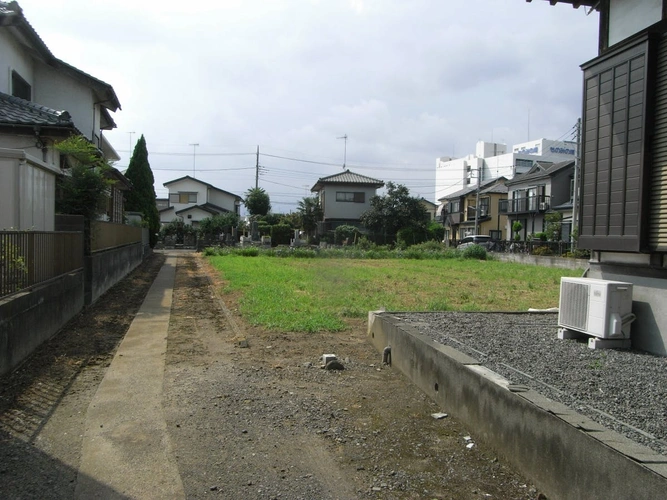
x=303, y=253
x=249, y=251
x=281, y=234
x=264, y=229
x=542, y=251
x=363, y=243
x=431, y=246
x=410, y=235
x=346, y=232
x=477, y=252
x=436, y=231
x=578, y=254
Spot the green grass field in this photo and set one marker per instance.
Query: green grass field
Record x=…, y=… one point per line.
x=320, y=294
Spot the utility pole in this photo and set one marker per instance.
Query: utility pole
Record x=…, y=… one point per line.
x=345, y=152
x=194, y=158
x=575, y=188
x=479, y=174
x=257, y=169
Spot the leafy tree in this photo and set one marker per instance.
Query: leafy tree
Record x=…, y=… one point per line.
x=310, y=213
x=270, y=219
x=177, y=229
x=394, y=211
x=554, y=224
x=212, y=227
x=141, y=198
x=346, y=232
x=517, y=227
x=257, y=201
x=281, y=234
x=85, y=190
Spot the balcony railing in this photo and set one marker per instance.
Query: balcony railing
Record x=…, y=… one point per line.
x=525, y=205
x=483, y=212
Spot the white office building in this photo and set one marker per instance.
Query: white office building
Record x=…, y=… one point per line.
x=491, y=160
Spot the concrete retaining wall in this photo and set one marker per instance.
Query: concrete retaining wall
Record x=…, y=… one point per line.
x=567, y=455
x=29, y=318
x=106, y=268
x=539, y=260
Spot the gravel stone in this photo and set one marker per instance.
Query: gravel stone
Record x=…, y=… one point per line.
x=623, y=390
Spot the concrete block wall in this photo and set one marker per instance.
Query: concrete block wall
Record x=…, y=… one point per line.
x=29, y=318
x=567, y=455
x=106, y=268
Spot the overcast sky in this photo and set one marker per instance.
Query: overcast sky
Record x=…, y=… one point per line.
x=406, y=81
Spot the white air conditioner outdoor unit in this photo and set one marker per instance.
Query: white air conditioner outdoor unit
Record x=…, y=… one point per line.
x=596, y=307
x=544, y=206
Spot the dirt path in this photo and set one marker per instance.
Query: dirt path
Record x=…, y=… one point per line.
x=262, y=421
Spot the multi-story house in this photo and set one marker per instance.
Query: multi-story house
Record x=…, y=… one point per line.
x=42, y=100
x=431, y=208
x=344, y=197
x=492, y=160
x=459, y=211
x=542, y=189
x=192, y=200
x=622, y=216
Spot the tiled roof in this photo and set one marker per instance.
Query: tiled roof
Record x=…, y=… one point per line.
x=576, y=3
x=236, y=196
x=470, y=189
x=16, y=111
x=541, y=173
x=347, y=177
x=11, y=15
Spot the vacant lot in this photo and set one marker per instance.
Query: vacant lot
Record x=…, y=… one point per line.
x=311, y=295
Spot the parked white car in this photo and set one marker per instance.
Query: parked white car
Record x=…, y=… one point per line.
x=478, y=239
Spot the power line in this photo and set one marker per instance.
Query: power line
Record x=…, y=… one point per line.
x=203, y=169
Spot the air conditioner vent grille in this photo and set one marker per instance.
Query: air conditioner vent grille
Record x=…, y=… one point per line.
x=574, y=305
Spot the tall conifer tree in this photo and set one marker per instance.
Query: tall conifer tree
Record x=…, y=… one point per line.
x=141, y=198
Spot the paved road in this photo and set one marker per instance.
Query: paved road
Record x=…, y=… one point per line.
x=126, y=446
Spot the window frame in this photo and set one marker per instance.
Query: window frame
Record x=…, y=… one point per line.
x=350, y=197
x=23, y=86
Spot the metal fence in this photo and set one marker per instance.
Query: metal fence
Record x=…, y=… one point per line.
x=28, y=258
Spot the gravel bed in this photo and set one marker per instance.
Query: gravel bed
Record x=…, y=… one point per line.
x=623, y=390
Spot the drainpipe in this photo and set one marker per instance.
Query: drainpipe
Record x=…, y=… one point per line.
x=479, y=175
x=575, y=187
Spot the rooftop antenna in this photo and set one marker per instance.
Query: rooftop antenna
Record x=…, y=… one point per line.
x=131, y=133
x=194, y=158
x=345, y=154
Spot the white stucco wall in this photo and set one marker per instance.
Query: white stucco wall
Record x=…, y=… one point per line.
x=27, y=144
x=168, y=216
x=59, y=92
x=13, y=56
x=188, y=186
x=627, y=17
x=193, y=216
x=344, y=209
x=222, y=200
x=27, y=192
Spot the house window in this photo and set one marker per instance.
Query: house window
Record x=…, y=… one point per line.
x=351, y=197
x=183, y=198
x=484, y=206
x=521, y=163
x=20, y=88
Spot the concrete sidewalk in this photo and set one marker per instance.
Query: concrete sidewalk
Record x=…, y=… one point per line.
x=126, y=446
